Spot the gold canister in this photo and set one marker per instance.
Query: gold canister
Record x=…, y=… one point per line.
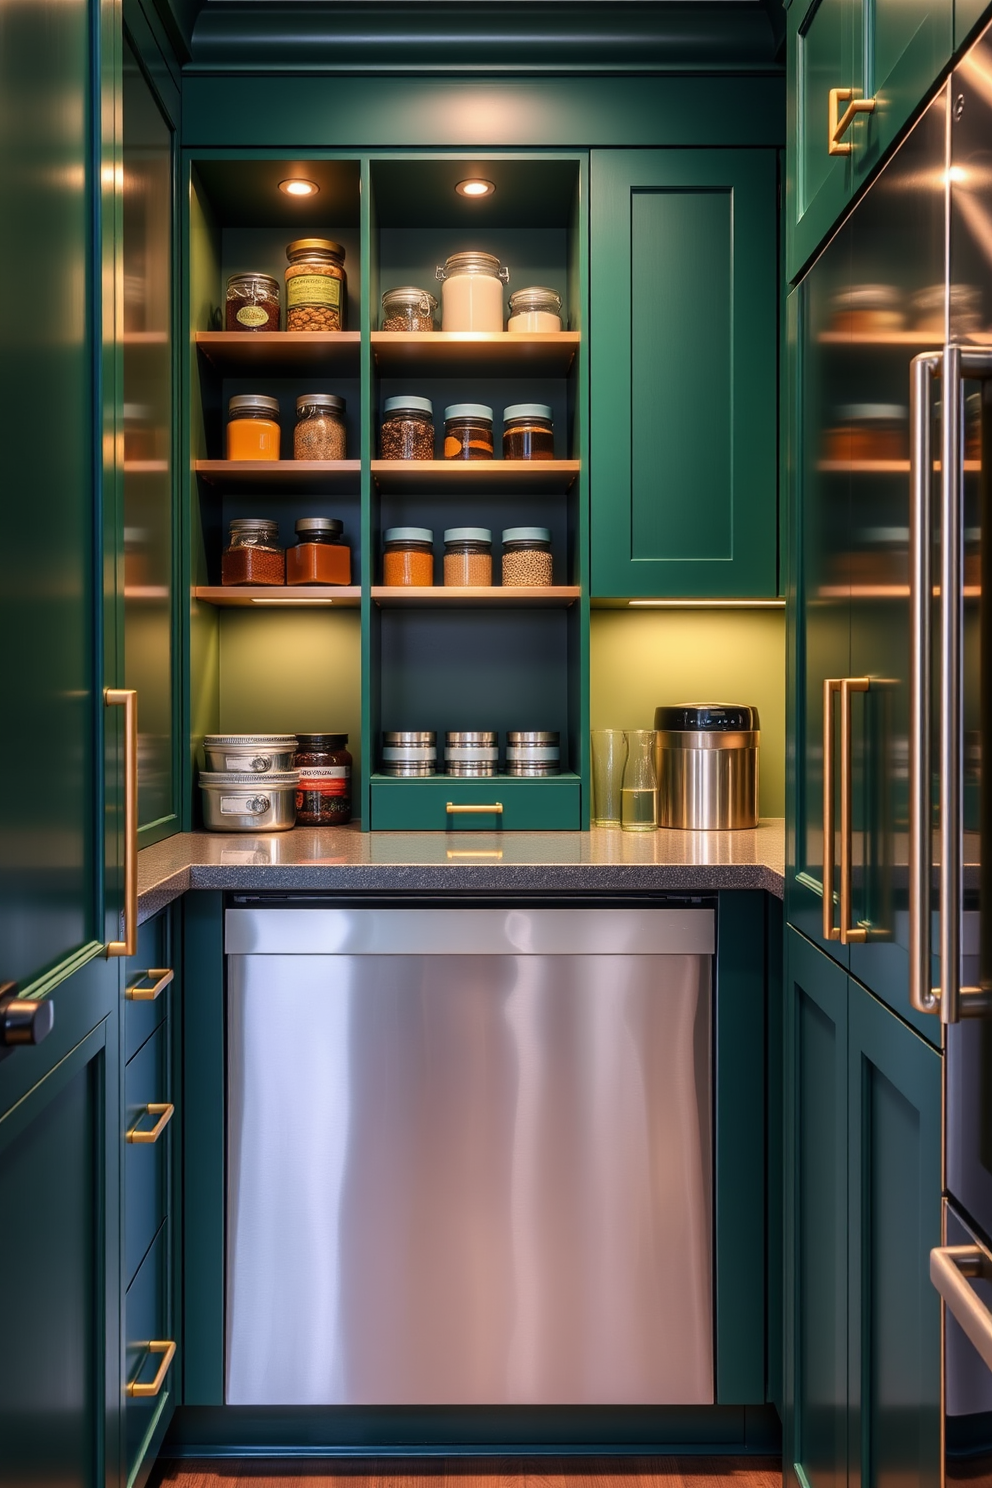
x=707, y=762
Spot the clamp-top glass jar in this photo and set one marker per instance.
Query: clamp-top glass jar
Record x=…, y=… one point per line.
x=407, y=309
x=471, y=292
x=535, y=309
x=316, y=285
x=252, y=303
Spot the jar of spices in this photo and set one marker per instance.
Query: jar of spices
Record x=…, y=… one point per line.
x=407, y=431
x=407, y=309
x=468, y=432
x=528, y=433
x=468, y=557
x=320, y=430
x=535, y=309
x=408, y=557
x=531, y=752
x=471, y=753
x=526, y=557
x=252, y=303
x=472, y=292
x=409, y=752
x=323, y=796
x=253, y=427
x=253, y=554
x=315, y=285
x=319, y=556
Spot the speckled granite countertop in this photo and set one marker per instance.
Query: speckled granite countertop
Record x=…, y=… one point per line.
x=553, y=862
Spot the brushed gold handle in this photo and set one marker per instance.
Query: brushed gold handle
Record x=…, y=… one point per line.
x=830, y=686
x=838, y=127
x=453, y=810
x=848, y=933
x=165, y=1111
x=163, y=976
x=167, y=1349
x=127, y=698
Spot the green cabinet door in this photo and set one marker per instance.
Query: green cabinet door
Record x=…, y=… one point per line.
x=683, y=312
x=823, y=52
x=908, y=43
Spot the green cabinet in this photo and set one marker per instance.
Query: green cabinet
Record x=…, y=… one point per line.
x=862, y=1210
x=683, y=316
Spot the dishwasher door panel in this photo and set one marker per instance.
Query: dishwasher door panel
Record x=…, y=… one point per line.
x=464, y=1179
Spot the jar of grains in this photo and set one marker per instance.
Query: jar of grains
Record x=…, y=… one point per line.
x=528, y=433
x=252, y=427
x=320, y=432
x=526, y=557
x=535, y=309
x=407, y=309
x=319, y=556
x=471, y=292
x=253, y=554
x=323, y=796
x=252, y=303
x=468, y=557
x=468, y=432
x=408, y=557
x=316, y=285
x=407, y=431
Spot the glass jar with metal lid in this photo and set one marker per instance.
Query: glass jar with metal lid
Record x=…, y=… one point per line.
x=319, y=556
x=468, y=432
x=527, y=557
x=252, y=427
x=471, y=292
x=407, y=431
x=532, y=752
x=471, y=753
x=535, y=309
x=407, y=309
x=253, y=554
x=316, y=285
x=409, y=752
x=320, y=428
x=408, y=557
x=252, y=303
x=528, y=433
x=468, y=557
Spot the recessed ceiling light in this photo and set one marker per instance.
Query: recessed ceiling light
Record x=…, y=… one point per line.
x=475, y=187
x=299, y=187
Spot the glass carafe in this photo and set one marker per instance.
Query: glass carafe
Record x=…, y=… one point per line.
x=639, y=792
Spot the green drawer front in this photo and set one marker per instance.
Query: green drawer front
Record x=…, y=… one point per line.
x=142, y=1017
x=146, y=1164
x=148, y=1318
x=552, y=805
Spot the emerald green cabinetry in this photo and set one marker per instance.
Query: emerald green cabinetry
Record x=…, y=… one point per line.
x=683, y=316
x=862, y=1211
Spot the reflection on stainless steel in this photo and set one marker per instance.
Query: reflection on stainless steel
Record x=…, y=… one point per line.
x=967, y=1381
x=469, y=1179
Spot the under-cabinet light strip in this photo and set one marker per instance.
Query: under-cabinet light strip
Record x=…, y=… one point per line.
x=308, y=602
x=707, y=604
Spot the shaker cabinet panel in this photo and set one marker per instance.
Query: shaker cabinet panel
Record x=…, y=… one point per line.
x=683, y=395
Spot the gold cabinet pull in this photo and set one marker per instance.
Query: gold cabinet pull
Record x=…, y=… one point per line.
x=165, y=1111
x=848, y=933
x=838, y=127
x=453, y=810
x=127, y=698
x=167, y=1349
x=830, y=686
x=162, y=975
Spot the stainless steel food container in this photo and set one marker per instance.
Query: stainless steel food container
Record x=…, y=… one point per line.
x=471, y=753
x=707, y=760
x=257, y=754
x=236, y=801
x=533, y=752
x=409, y=752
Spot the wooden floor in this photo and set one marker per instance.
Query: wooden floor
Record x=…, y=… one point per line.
x=477, y=1472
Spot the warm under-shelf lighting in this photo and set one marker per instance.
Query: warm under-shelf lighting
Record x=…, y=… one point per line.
x=308, y=602
x=296, y=186
x=475, y=187
x=707, y=604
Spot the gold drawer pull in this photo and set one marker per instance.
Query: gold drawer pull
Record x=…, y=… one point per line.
x=167, y=1349
x=165, y=1111
x=837, y=128
x=163, y=976
x=453, y=810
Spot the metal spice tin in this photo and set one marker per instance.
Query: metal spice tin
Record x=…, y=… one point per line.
x=237, y=802
x=258, y=754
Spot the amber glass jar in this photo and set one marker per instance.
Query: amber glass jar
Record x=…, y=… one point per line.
x=319, y=557
x=528, y=433
x=408, y=557
x=315, y=285
x=468, y=432
x=253, y=427
x=323, y=796
x=253, y=554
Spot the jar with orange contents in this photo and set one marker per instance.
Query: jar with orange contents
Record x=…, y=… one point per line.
x=253, y=427
x=408, y=557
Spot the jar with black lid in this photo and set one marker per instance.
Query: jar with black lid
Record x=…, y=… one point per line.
x=323, y=797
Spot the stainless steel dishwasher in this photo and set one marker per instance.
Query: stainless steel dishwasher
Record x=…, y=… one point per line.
x=469, y=1156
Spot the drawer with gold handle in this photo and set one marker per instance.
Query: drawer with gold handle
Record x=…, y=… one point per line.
x=167, y=1349
x=159, y=976
x=164, y=1110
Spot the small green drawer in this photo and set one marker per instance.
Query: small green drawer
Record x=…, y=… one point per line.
x=148, y=1318
x=147, y=992
x=550, y=805
x=146, y=1163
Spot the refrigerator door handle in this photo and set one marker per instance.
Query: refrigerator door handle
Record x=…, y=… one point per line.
x=951, y=1267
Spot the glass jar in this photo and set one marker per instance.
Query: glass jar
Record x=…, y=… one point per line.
x=468, y=557
x=867, y=309
x=535, y=309
x=639, y=790
x=253, y=554
x=409, y=753
x=319, y=556
x=253, y=427
x=528, y=433
x=323, y=796
x=407, y=309
x=407, y=431
x=471, y=292
x=252, y=303
x=320, y=429
x=408, y=557
x=868, y=431
x=468, y=432
x=533, y=752
x=316, y=285
x=472, y=753
x=526, y=557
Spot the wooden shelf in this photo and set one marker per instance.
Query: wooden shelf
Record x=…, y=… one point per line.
x=558, y=596
x=281, y=353
x=881, y=467
x=297, y=596
x=483, y=476
x=283, y=475
x=475, y=353
x=924, y=340
x=146, y=467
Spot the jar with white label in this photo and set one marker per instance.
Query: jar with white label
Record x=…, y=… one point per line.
x=535, y=309
x=471, y=753
x=472, y=292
